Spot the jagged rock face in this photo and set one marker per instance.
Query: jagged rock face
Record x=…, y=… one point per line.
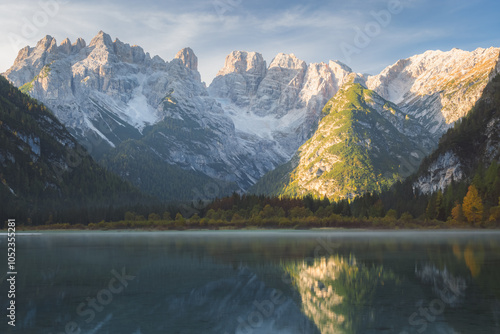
x=441, y=172
x=436, y=87
x=78, y=83
x=240, y=77
x=189, y=60
x=109, y=92
x=281, y=103
x=244, y=62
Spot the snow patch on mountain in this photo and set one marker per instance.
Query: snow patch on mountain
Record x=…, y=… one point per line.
x=138, y=111
x=93, y=128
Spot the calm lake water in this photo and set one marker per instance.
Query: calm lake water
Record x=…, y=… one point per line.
x=255, y=282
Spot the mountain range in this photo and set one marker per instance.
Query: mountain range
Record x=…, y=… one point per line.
x=284, y=128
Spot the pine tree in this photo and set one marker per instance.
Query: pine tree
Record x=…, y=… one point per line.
x=495, y=213
x=431, y=210
x=440, y=206
x=473, y=206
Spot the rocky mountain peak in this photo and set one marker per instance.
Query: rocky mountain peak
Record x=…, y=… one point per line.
x=46, y=43
x=340, y=71
x=127, y=53
x=354, y=78
x=240, y=77
x=188, y=58
x=45, y=46
x=65, y=46
x=66, y=41
x=101, y=39
x=288, y=61
x=23, y=54
x=337, y=66
x=79, y=44
x=30, y=60
x=243, y=61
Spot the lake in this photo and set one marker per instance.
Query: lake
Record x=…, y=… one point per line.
x=255, y=282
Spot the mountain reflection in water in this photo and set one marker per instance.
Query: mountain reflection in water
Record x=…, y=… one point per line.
x=259, y=282
x=338, y=293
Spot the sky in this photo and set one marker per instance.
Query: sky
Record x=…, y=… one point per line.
x=366, y=35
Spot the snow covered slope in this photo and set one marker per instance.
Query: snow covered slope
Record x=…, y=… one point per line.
x=436, y=87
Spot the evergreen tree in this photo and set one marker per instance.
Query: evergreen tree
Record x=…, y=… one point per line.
x=430, y=211
x=495, y=213
x=440, y=206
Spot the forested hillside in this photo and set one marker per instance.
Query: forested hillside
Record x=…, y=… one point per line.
x=465, y=187
x=45, y=173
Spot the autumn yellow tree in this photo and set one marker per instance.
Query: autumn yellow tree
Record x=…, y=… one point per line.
x=473, y=206
x=458, y=214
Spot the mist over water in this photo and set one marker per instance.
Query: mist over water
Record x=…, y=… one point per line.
x=257, y=282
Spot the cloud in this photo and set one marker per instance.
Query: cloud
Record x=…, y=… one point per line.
x=301, y=18
x=313, y=30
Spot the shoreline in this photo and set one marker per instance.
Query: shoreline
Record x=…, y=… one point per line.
x=31, y=231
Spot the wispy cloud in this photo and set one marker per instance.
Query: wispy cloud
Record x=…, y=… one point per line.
x=313, y=31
